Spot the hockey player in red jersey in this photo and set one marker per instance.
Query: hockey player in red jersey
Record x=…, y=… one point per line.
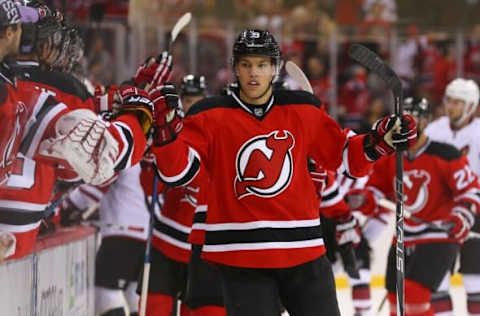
x=172, y=269
x=356, y=261
x=64, y=131
x=441, y=191
x=263, y=228
x=460, y=128
x=13, y=114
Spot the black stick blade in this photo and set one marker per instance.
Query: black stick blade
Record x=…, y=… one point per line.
x=372, y=61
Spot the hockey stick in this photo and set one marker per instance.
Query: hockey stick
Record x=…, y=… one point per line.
x=382, y=303
x=177, y=28
x=298, y=75
x=148, y=249
x=389, y=205
x=370, y=60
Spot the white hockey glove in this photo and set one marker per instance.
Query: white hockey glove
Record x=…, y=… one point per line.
x=84, y=141
x=8, y=243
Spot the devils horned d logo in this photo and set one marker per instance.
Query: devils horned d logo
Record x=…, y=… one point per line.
x=265, y=165
x=416, y=189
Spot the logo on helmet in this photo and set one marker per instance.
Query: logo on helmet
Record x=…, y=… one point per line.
x=254, y=34
x=265, y=165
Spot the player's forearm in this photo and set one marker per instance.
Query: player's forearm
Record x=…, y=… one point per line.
x=355, y=160
x=132, y=142
x=177, y=162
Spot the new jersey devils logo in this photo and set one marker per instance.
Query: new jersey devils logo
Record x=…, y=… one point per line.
x=264, y=165
x=415, y=189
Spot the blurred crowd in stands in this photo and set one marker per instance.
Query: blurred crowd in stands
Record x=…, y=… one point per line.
x=315, y=34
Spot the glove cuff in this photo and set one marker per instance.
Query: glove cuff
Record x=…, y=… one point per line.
x=369, y=147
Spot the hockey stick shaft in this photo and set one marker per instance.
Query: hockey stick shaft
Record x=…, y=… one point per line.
x=372, y=61
x=148, y=249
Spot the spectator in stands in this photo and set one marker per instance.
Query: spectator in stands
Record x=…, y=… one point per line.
x=427, y=59
x=100, y=61
x=472, y=55
x=212, y=49
x=354, y=94
x=405, y=57
x=348, y=14
x=317, y=73
x=445, y=71
x=270, y=17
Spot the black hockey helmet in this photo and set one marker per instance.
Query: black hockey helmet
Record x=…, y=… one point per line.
x=417, y=106
x=193, y=85
x=49, y=30
x=256, y=42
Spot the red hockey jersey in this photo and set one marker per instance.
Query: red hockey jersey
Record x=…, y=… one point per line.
x=262, y=205
x=51, y=94
x=173, y=219
x=435, y=180
x=13, y=118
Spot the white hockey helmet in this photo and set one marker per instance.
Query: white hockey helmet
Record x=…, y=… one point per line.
x=466, y=90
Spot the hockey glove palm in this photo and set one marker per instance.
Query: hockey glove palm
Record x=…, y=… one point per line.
x=155, y=71
x=168, y=115
x=390, y=133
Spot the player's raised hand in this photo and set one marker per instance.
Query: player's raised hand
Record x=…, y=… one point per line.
x=390, y=133
x=155, y=71
x=167, y=115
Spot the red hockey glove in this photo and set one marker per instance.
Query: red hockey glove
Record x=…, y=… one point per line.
x=154, y=72
x=362, y=200
x=105, y=98
x=167, y=116
x=136, y=100
x=460, y=222
x=347, y=230
x=319, y=176
x=389, y=133
x=407, y=137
